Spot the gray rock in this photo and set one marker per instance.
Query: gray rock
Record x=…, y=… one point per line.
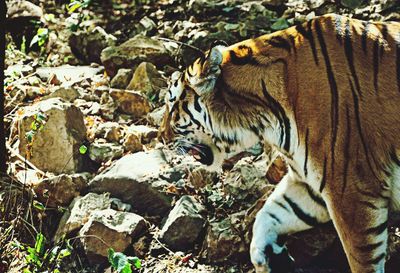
x=274, y=2
x=103, y=152
x=87, y=46
x=17, y=9
x=184, y=224
x=131, y=102
x=122, y=78
x=66, y=93
x=68, y=74
x=247, y=180
x=54, y=147
x=145, y=133
x=223, y=242
x=156, y=116
x=111, y=131
x=79, y=211
x=135, y=179
x=110, y=228
x=147, y=80
x=60, y=190
x=134, y=51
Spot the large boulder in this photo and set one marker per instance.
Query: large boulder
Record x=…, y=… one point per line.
x=184, y=224
x=50, y=133
x=134, y=51
x=135, y=179
x=110, y=229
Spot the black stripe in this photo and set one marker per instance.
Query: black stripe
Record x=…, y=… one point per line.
x=293, y=43
x=306, y=218
x=273, y=216
x=369, y=204
x=306, y=153
x=307, y=33
x=364, y=36
x=186, y=109
x=197, y=106
x=242, y=60
x=334, y=93
x=359, y=127
x=279, y=112
x=378, y=229
x=384, y=32
x=377, y=259
x=369, y=247
x=281, y=205
x=394, y=157
x=346, y=150
x=375, y=58
x=279, y=42
x=323, y=179
x=314, y=196
x=348, y=49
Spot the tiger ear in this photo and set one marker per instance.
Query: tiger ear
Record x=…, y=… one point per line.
x=209, y=70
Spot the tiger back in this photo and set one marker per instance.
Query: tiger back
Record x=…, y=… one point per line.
x=326, y=95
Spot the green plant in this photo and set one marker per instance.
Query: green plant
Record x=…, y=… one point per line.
x=41, y=37
x=75, y=8
x=39, y=120
x=122, y=263
x=42, y=259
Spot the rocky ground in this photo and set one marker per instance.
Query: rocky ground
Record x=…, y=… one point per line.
x=84, y=90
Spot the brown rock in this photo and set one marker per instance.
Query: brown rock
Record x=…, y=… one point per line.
x=131, y=102
x=60, y=190
x=147, y=80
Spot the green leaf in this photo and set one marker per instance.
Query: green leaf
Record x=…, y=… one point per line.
x=29, y=136
x=42, y=31
x=281, y=23
x=83, y=149
x=23, y=44
x=127, y=268
x=41, y=116
x=34, y=40
x=38, y=205
x=39, y=245
x=352, y=4
x=74, y=6
x=63, y=253
x=135, y=261
x=118, y=261
x=49, y=17
x=34, y=125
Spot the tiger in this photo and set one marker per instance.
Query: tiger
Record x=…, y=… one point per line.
x=325, y=94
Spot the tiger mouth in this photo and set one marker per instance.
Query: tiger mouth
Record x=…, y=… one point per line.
x=202, y=153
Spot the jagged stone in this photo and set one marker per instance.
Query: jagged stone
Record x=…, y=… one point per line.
x=60, y=190
x=184, y=224
x=147, y=80
x=131, y=102
x=135, y=179
x=134, y=51
x=79, y=211
x=122, y=78
x=110, y=228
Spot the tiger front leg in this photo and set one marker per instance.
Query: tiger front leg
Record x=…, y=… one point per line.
x=292, y=207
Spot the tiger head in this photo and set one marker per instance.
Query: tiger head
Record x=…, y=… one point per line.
x=198, y=116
